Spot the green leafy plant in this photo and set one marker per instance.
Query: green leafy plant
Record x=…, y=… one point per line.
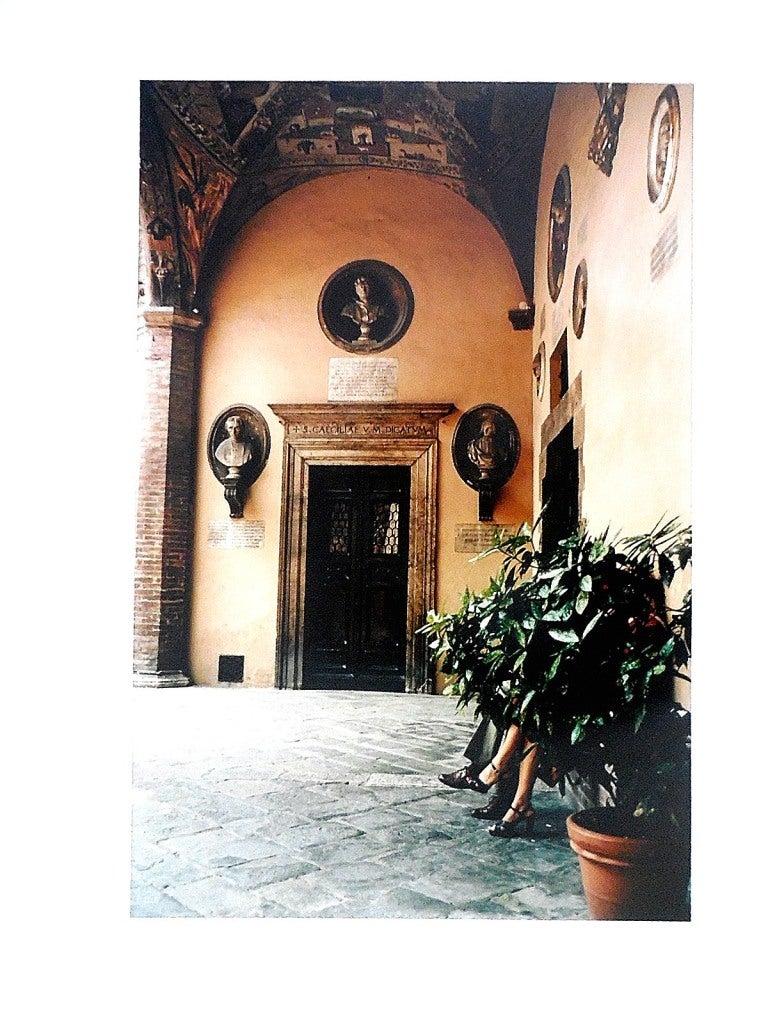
x=579, y=646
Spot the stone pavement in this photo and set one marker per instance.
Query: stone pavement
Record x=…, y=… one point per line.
x=264, y=803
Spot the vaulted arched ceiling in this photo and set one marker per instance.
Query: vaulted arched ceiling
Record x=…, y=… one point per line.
x=214, y=152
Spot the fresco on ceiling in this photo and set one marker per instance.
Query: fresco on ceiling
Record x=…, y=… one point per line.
x=483, y=141
x=200, y=187
x=197, y=107
x=159, y=280
x=326, y=132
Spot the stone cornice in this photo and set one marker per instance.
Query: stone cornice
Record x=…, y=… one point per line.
x=362, y=419
x=169, y=316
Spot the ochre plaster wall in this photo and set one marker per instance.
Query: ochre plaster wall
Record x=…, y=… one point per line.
x=634, y=356
x=264, y=345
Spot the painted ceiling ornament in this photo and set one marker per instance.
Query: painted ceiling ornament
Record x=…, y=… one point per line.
x=663, y=147
x=486, y=451
x=579, y=304
x=365, y=306
x=605, y=137
x=163, y=271
x=161, y=262
x=198, y=106
x=201, y=188
x=158, y=229
x=559, y=228
x=325, y=131
x=359, y=132
x=238, y=449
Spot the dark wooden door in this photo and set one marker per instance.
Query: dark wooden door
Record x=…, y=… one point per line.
x=357, y=578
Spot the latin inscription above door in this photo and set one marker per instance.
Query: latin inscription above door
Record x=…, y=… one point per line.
x=356, y=601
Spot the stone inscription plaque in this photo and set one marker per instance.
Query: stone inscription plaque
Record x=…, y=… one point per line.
x=476, y=537
x=239, y=533
x=362, y=380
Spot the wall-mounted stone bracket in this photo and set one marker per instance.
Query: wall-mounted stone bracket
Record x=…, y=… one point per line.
x=486, y=501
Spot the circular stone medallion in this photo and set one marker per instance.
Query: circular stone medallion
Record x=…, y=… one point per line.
x=663, y=147
x=579, y=309
x=559, y=227
x=365, y=306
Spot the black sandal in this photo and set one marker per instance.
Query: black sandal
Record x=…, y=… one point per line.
x=462, y=778
x=500, y=802
x=505, y=828
x=497, y=806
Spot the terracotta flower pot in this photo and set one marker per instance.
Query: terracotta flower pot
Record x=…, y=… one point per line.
x=628, y=875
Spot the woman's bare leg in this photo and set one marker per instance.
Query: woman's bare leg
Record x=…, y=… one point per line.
x=508, y=747
x=529, y=762
x=520, y=810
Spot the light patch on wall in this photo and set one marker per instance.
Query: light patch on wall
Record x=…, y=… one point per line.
x=559, y=321
x=241, y=533
x=664, y=251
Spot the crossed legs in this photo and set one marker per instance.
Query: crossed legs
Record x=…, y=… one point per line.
x=520, y=809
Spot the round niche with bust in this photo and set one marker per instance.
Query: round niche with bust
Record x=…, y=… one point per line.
x=539, y=370
x=238, y=445
x=663, y=147
x=486, y=447
x=579, y=303
x=559, y=229
x=365, y=306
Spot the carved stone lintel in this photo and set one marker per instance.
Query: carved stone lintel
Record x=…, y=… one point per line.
x=360, y=423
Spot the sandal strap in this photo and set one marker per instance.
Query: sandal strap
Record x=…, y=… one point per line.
x=521, y=812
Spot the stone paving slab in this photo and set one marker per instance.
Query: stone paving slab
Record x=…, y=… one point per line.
x=255, y=874
x=217, y=897
x=267, y=803
x=218, y=847
x=148, y=901
x=306, y=896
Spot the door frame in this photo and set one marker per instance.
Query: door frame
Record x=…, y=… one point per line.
x=570, y=407
x=357, y=434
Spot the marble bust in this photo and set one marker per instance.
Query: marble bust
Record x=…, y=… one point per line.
x=364, y=312
x=236, y=449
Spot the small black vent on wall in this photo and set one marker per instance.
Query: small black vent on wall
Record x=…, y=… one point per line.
x=231, y=668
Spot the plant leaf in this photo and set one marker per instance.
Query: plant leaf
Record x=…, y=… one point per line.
x=592, y=623
x=564, y=636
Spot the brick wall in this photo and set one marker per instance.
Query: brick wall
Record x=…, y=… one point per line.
x=168, y=346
